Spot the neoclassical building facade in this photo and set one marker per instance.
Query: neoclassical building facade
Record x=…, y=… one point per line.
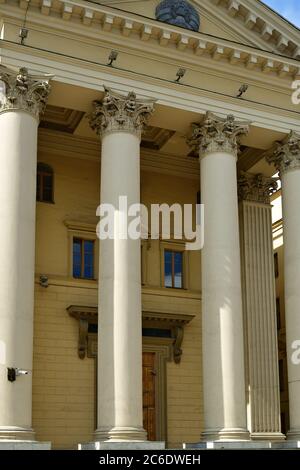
x=143, y=341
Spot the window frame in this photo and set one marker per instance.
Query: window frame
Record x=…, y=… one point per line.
x=87, y=231
x=175, y=246
x=173, y=253
x=41, y=173
x=82, y=242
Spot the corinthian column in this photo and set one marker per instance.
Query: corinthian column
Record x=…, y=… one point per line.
x=22, y=99
x=222, y=321
x=286, y=158
x=260, y=324
x=119, y=120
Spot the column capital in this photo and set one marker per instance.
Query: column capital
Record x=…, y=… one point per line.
x=120, y=113
x=22, y=91
x=286, y=155
x=256, y=188
x=217, y=134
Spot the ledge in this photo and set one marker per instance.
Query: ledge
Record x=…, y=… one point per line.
x=88, y=315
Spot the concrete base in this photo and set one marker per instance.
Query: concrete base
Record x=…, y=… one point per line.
x=218, y=445
x=126, y=445
x=24, y=445
x=242, y=445
x=287, y=445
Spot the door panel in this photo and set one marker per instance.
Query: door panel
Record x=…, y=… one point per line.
x=149, y=411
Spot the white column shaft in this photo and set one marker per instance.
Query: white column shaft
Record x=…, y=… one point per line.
x=291, y=217
x=223, y=349
x=120, y=318
x=18, y=154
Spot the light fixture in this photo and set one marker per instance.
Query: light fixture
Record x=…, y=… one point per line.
x=14, y=372
x=44, y=281
x=112, y=57
x=23, y=34
x=242, y=90
x=180, y=73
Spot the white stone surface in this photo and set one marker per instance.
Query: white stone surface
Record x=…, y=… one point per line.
x=18, y=153
x=222, y=327
x=132, y=445
x=260, y=321
x=120, y=409
x=218, y=445
x=288, y=445
x=24, y=445
x=291, y=221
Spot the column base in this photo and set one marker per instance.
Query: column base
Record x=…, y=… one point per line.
x=11, y=444
x=268, y=436
x=118, y=434
x=16, y=433
x=124, y=445
x=235, y=434
x=293, y=435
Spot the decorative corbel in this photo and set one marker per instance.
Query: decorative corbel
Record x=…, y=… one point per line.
x=177, y=334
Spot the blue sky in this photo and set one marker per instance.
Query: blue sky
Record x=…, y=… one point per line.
x=290, y=9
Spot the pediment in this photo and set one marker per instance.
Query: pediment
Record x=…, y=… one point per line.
x=248, y=22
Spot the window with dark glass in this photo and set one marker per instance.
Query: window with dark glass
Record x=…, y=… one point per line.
x=83, y=258
x=173, y=269
x=44, y=183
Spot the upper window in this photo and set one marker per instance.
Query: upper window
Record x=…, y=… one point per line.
x=83, y=258
x=44, y=184
x=173, y=263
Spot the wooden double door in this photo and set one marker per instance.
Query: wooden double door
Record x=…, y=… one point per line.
x=149, y=394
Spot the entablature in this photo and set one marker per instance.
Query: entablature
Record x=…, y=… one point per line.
x=107, y=23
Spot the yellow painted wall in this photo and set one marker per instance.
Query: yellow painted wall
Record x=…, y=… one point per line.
x=63, y=385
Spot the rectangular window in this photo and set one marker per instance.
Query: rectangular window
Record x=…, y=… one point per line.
x=83, y=258
x=173, y=261
x=44, y=183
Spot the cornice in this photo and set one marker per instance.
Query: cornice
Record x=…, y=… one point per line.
x=84, y=17
x=264, y=23
x=217, y=68
x=91, y=75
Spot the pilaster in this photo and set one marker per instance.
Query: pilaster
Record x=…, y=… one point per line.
x=259, y=306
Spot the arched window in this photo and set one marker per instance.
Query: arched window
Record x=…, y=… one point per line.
x=44, y=184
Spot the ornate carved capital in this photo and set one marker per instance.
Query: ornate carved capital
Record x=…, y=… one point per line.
x=256, y=188
x=23, y=91
x=216, y=134
x=286, y=155
x=118, y=113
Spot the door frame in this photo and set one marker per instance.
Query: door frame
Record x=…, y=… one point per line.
x=161, y=348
